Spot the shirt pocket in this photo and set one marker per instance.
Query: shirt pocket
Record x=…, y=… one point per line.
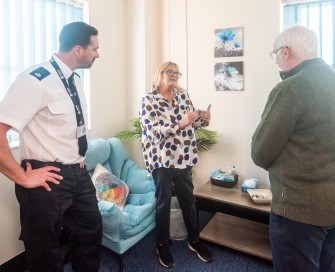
x=61, y=107
x=61, y=118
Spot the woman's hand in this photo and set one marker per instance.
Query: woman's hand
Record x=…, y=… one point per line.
x=189, y=118
x=206, y=115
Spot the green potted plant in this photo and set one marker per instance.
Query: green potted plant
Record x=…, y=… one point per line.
x=205, y=138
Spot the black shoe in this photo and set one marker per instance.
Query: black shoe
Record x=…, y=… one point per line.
x=203, y=253
x=165, y=257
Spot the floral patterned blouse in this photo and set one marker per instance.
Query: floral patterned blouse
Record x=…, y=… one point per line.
x=164, y=144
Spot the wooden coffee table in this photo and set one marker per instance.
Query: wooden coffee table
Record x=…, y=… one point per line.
x=238, y=223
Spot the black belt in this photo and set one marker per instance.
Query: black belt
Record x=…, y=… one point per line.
x=39, y=164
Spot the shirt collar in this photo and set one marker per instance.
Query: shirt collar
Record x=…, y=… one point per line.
x=67, y=72
x=301, y=67
x=158, y=95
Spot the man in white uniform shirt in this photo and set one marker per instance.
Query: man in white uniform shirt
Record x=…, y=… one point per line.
x=53, y=187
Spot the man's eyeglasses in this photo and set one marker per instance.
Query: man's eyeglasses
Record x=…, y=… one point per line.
x=274, y=52
x=171, y=73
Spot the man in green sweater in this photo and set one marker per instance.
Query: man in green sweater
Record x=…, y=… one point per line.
x=295, y=143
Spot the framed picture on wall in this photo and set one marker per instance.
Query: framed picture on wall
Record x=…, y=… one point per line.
x=228, y=76
x=228, y=42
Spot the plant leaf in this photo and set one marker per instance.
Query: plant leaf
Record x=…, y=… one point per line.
x=134, y=134
x=206, y=139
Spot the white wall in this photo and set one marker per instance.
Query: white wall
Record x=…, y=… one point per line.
x=108, y=74
x=9, y=221
x=182, y=31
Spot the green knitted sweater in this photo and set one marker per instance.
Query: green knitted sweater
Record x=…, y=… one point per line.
x=295, y=142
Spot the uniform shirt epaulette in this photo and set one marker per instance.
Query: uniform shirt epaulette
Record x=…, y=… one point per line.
x=77, y=74
x=40, y=73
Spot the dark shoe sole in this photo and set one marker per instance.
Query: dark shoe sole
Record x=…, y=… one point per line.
x=199, y=256
x=161, y=262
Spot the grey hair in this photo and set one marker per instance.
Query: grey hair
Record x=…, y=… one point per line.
x=300, y=39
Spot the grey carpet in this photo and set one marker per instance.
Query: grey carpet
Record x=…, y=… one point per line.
x=143, y=257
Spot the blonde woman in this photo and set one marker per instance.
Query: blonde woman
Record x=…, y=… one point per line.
x=168, y=120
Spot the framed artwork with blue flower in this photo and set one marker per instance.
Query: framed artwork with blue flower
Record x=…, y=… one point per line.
x=228, y=42
x=228, y=76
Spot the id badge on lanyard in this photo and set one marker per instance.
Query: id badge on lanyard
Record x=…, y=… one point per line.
x=81, y=131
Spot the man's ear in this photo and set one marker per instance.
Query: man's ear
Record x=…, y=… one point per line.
x=76, y=50
x=287, y=53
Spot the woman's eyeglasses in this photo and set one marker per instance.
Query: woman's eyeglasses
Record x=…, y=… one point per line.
x=171, y=73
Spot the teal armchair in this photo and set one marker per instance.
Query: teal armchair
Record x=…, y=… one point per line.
x=123, y=228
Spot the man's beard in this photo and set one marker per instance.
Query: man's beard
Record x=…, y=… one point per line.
x=86, y=65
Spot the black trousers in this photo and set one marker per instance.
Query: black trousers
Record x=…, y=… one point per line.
x=71, y=205
x=181, y=181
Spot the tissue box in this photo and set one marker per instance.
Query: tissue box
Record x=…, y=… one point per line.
x=249, y=183
x=216, y=180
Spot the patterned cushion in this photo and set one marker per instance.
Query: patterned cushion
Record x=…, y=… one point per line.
x=109, y=187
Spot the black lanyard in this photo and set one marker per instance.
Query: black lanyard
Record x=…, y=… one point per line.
x=73, y=94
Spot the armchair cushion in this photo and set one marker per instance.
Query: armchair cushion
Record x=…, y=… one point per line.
x=109, y=187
